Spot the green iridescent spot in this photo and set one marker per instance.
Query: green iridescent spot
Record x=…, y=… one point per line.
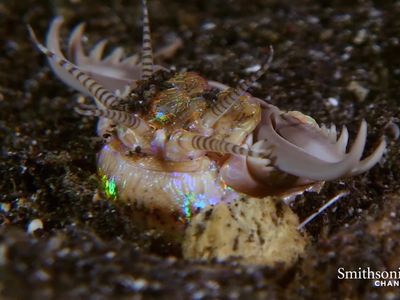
x=162, y=117
x=188, y=200
x=190, y=203
x=109, y=187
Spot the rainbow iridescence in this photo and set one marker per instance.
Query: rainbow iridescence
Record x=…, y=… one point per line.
x=192, y=201
x=109, y=187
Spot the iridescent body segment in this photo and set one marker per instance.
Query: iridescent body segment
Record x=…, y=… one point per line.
x=177, y=143
x=109, y=187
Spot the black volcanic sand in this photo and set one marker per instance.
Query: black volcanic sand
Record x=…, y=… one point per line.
x=91, y=250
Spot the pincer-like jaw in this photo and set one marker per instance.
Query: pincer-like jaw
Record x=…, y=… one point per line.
x=113, y=71
x=301, y=153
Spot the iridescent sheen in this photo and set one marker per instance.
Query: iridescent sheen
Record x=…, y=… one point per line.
x=191, y=203
x=109, y=187
x=162, y=118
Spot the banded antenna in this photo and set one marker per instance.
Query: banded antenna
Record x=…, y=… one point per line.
x=102, y=96
x=192, y=141
x=225, y=104
x=147, y=50
x=119, y=117
x=105, y=99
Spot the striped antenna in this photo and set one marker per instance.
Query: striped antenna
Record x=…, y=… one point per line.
x=147, y=50
x=198, y=142
x=225, y=103
x=119, y=117
x=104, y=96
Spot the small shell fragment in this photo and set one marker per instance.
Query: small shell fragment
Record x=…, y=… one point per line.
x=251, y=230
x=35, y=225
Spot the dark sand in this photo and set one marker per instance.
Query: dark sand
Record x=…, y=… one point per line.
x=91, y=250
